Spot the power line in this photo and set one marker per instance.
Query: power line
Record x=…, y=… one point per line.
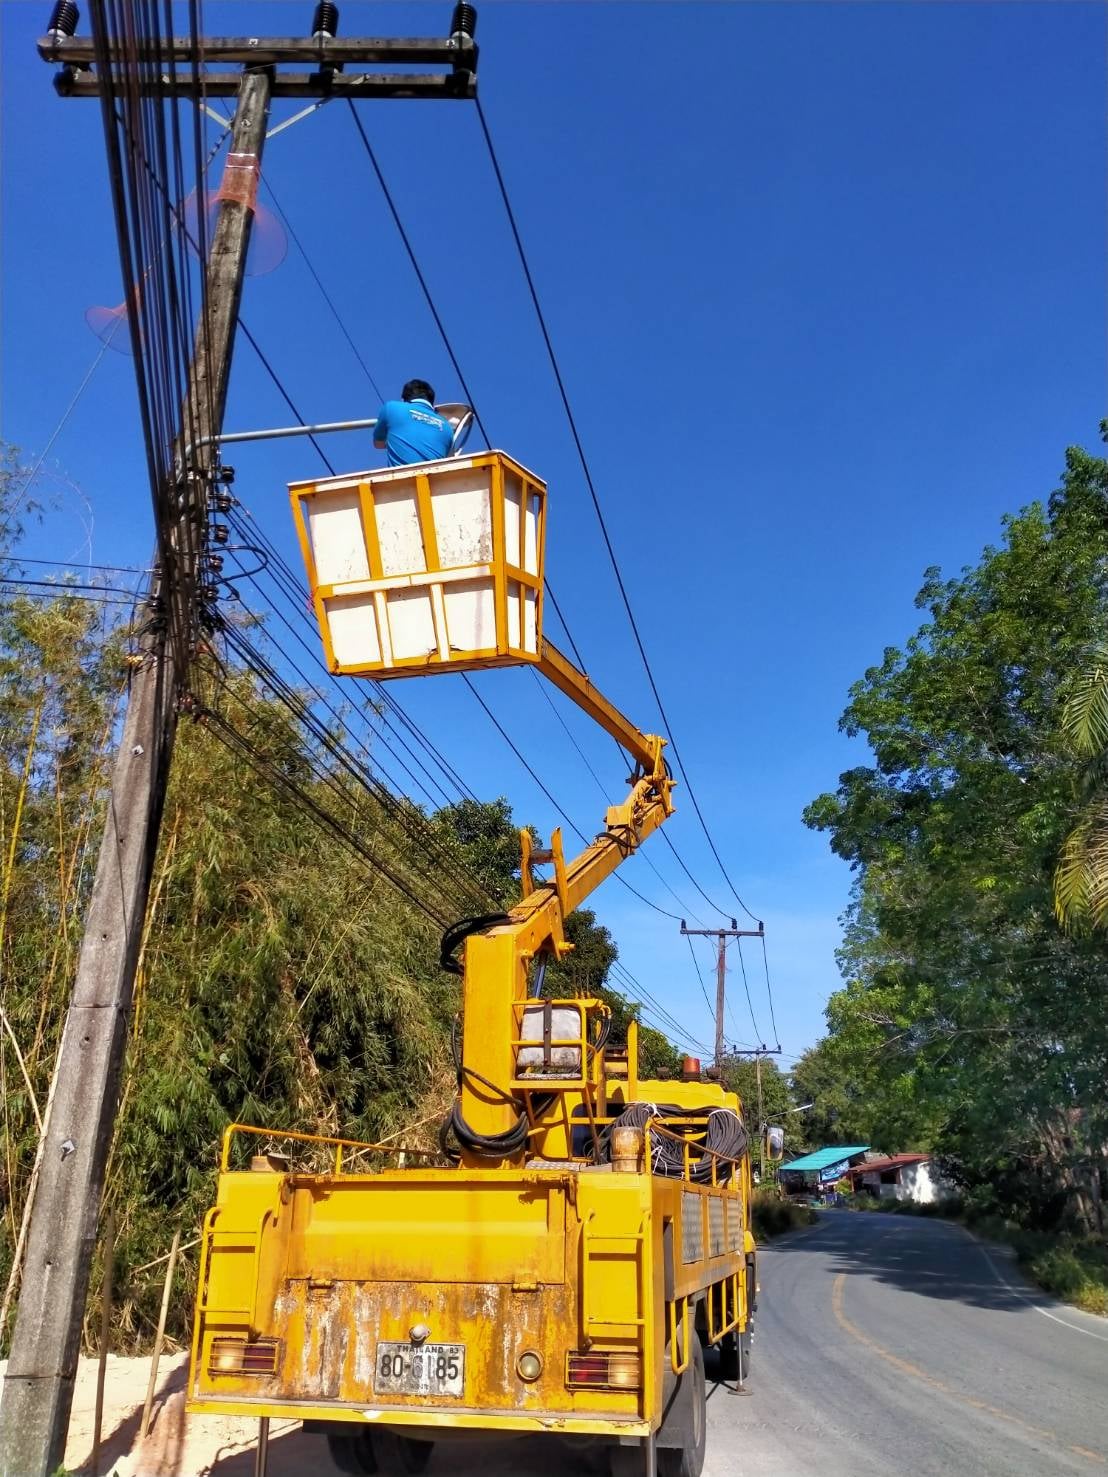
x=769, y=994
x=426, y=844
x=408, y=247
x=545, y=790
x=295, y=593
x=700, y=977
x=746, y=987
x=600, y=786
x=73, y=564
x=319, y=283
x=294, y=632
x=372, y=157
x=596, y=504
x=56, y=432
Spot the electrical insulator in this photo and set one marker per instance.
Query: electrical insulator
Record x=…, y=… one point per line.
x=220, y=533
x=325, y=21
x=214, y=563
x=210, y=591
x=463, y=22
x=223, y=474
x=63, y=20
x=222, y=502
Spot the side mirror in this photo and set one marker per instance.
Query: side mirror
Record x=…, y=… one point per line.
x=774, y=1142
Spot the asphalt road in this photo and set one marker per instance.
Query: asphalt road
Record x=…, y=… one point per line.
x=893, y=1344
x=884, y=1344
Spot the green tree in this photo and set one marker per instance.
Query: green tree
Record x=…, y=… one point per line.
x=969, y=1021
x=740, y=1074
x=823, y=1077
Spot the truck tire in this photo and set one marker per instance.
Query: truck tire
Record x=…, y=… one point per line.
x=689, y=1411
x=351, y=1452
x=397, y=1455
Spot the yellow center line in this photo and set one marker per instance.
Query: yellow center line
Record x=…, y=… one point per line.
x=913, y=1370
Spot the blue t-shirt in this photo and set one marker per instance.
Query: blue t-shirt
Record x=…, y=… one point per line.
x=412, y=431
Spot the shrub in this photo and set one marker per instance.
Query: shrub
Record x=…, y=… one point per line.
x=773, y=1217
x=865, y=1201
x=1072, y=1268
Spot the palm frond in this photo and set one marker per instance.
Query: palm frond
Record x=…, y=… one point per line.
x=1081, y=877
x=1085, y=715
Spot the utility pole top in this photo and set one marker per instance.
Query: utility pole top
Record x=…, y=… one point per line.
x=184, y=66
x=734, y=932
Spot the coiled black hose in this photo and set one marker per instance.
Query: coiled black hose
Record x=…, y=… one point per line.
x=457, y=934
x=725, y=1134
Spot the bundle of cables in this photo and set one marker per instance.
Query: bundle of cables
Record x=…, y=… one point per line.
x=724, y=1135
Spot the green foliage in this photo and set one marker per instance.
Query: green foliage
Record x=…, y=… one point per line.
x=1073, y=1269
x=771, y=1216
x=824, y=1077
x=487, y=837
x=740, y=1074
x=970, y=1023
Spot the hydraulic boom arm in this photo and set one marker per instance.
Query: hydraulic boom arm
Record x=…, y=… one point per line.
x=498, y=959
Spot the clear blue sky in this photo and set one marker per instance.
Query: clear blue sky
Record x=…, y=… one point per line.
x=827, y=284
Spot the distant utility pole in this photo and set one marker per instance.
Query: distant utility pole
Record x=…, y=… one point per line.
x=721, y=935
x=758, y=1052
x=38, y=1386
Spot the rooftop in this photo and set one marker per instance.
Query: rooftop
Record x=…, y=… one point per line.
x=890, y=1161
x=824, y=1158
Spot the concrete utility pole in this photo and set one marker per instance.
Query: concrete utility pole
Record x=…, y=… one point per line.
x=38, y=1386
x=721, y=935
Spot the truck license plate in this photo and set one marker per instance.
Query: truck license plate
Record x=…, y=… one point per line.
x=420, y=1369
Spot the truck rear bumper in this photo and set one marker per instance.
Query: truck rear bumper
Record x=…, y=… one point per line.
x=428, y=1419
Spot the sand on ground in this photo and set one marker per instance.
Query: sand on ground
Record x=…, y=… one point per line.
x=180, y=1445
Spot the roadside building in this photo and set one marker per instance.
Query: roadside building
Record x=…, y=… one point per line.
x=900, y=1177
x=817, y=1173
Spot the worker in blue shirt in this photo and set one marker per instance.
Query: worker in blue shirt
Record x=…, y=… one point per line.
x=410, y=429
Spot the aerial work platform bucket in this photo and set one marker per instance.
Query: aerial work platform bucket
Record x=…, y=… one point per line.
x=431, y=567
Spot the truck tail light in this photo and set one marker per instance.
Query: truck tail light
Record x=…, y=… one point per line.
x=604, y=1370
x=236, y=1356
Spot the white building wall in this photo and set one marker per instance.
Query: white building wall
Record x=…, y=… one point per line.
x=920, y=1182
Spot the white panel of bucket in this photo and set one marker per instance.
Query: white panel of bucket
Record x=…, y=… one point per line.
x=531, y=537
x=463, y=518
x=513, y=501
x=527, y=638
x=352, y=624
x=398, y=530
x=470, y=615
x=338, y=543
x=411, y=623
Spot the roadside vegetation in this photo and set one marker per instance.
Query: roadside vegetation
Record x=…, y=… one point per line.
x=971, y=1021
x=771, y=1216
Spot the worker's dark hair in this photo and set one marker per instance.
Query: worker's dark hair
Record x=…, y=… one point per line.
x=418, y=390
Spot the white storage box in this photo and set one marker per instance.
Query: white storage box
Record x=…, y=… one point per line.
x=553, y=1029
